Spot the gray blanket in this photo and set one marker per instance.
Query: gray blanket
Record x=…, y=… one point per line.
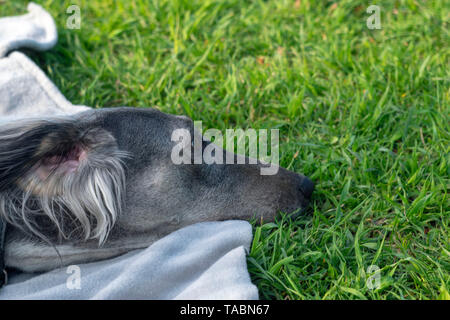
x=202, y=261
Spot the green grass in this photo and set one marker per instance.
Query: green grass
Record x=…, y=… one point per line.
x=364, y=113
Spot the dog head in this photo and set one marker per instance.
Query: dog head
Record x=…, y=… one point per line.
x=108, y=174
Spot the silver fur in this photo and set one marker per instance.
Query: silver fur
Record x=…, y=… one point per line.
x=90, y=198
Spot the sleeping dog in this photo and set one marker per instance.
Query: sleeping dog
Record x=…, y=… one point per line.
x=100, y=183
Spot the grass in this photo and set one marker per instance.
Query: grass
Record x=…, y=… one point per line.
x=364, y=113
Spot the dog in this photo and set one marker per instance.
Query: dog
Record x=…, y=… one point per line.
x=100, y=183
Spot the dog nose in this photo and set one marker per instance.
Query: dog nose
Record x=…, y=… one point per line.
x=307, y=187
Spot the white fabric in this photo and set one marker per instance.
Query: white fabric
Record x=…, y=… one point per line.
x=34, y=30
x=203, y=261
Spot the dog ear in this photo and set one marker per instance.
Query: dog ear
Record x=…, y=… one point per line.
x=24, y=144
x=62, y=169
